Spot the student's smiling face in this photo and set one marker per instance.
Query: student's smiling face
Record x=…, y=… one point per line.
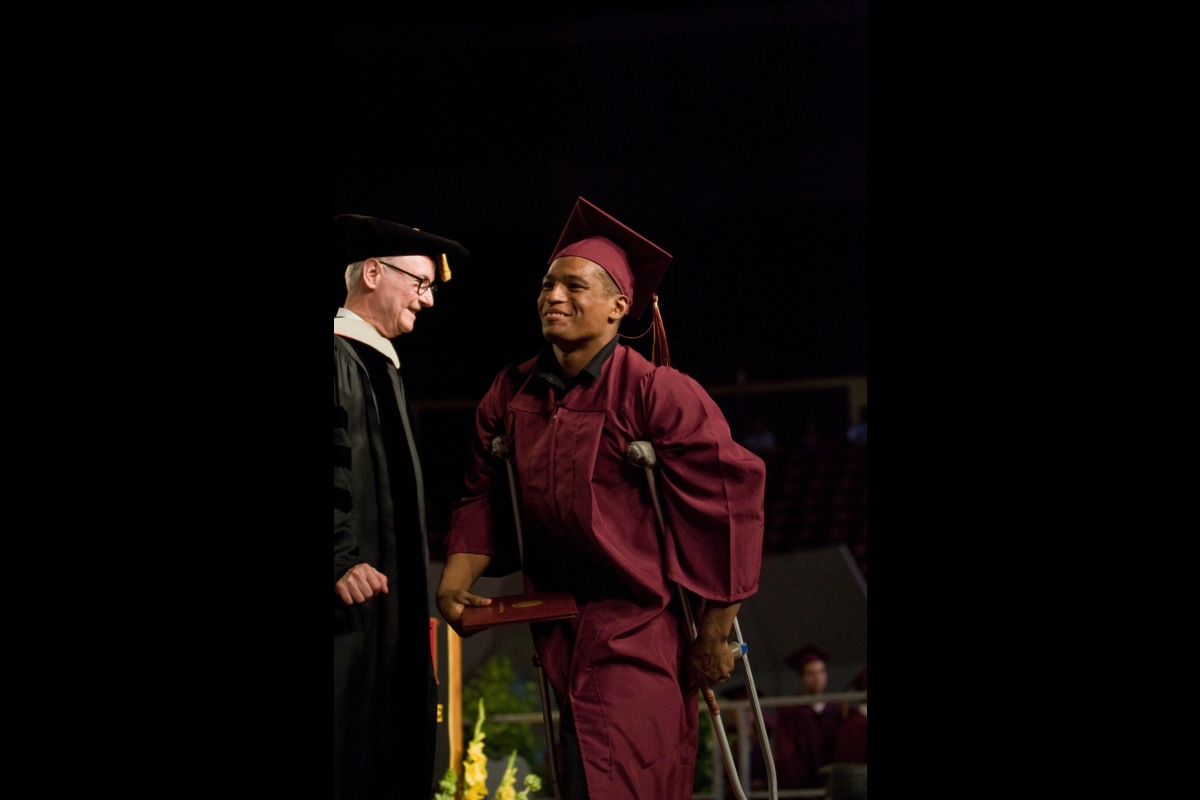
x=573, y=305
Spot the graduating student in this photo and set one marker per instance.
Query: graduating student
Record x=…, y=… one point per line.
x=624, y=672
x=805, y=736
x=384, y=694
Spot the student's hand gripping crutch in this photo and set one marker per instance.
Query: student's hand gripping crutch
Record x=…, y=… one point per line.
x=642, y=454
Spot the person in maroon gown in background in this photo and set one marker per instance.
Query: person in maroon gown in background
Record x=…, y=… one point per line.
x=851, y=744
x=623, y=672
x=805, y=736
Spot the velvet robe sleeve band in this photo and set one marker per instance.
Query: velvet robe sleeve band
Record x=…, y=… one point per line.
x=345, y=546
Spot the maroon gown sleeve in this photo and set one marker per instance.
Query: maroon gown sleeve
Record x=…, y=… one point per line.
x=712, y=489
x=482, y=523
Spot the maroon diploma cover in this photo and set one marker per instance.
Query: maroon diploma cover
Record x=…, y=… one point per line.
x=519, y=609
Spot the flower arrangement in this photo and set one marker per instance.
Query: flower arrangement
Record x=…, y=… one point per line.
x=475, y=773
x=507, y=788
x=475, y=764
x=506, y=691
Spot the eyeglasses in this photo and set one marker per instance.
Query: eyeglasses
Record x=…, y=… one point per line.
x=422, y=283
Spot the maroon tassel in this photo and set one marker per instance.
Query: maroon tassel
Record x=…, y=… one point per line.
x=658, y=350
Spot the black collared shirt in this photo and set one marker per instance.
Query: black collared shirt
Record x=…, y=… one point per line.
x=547, y=368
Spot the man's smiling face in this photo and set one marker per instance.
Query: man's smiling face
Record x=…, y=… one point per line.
x=573, y=304
x=397, y=293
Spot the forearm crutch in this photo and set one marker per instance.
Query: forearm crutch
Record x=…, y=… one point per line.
x=642, y=454
x=500, y=450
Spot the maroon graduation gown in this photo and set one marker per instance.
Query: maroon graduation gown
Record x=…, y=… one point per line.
x=851, y=745
x=589, y=529
x=803, y=742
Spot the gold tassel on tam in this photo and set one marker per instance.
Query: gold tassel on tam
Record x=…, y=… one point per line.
x=445, y=268
x=658, y=350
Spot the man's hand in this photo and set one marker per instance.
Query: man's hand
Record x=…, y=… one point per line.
x=360, y=584
x=452, y=604
x=710, y=659
x=453, y=592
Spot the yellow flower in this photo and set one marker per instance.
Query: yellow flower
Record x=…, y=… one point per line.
x=475, y=765
x=505, y=790
x=475, y=773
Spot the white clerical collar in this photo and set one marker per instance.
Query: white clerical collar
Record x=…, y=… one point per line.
x=352, y=326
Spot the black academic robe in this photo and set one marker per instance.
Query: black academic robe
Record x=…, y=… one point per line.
x=384, y=694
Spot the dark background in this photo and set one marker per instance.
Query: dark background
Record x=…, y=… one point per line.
x=734, y=136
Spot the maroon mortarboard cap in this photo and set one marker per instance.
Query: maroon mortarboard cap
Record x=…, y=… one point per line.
x=859, y=684
x=357, y=238
x=635, y=263
x=810, y=652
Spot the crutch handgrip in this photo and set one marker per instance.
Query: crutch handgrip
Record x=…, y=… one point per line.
x=499, y=447
x=642, y=454
x=736, y=650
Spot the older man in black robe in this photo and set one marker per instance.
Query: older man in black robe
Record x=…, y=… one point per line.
x=384, y=693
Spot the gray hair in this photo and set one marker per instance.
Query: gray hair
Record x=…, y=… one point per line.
x=353, y=275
